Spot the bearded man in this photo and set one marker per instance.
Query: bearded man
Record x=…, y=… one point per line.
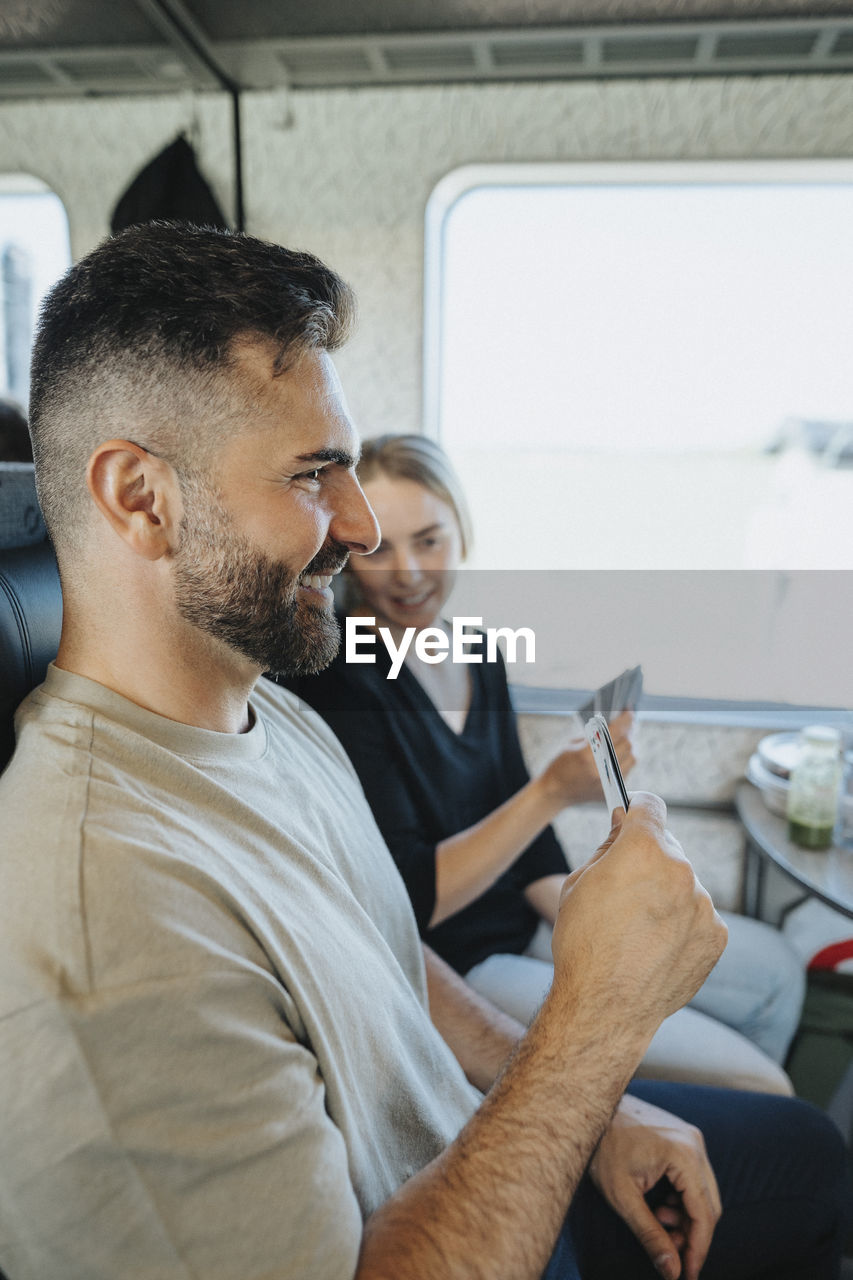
x=216, y=1052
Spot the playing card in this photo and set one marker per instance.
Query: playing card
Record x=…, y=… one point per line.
x=620, y=694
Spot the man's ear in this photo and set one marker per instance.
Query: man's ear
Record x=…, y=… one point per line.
x=138, y=494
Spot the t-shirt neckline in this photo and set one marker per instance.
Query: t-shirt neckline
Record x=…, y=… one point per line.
x=184, y=739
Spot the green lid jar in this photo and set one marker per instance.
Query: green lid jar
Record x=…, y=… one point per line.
x=813, y=791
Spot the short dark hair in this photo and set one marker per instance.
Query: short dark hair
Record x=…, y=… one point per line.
x=137, y=341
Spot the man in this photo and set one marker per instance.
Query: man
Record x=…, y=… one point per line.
x=216, y=1057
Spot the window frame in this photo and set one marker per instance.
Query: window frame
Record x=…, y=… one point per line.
x=548, y=700
x=459, y=182
x=20, y=183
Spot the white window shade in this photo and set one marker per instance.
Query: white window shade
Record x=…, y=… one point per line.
x=646, y=367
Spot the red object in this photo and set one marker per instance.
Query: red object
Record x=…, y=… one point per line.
x=832, y=956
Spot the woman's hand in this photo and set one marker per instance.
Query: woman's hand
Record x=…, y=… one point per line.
x=468, y=863
x=572, y=775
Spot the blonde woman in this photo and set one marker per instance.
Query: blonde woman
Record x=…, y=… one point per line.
x=438, y=755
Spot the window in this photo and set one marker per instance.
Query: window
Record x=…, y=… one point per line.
x=34, y=252
x=670, y=341
x=646, y=367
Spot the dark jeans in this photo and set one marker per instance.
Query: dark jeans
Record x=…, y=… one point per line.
x=781, y=1167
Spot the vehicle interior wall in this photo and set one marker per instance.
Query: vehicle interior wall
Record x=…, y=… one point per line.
x=347, y=173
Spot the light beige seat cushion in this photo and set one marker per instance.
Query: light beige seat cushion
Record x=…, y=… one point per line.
x=694, y=1049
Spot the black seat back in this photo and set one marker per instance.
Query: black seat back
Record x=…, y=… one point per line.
x=30, y=621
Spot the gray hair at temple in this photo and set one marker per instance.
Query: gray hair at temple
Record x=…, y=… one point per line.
x=139, y=341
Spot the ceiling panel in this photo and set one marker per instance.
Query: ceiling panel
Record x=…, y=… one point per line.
x=27, y=73
x=47, y=24
x=224, y=20
x=770, y=43
x=75, y=47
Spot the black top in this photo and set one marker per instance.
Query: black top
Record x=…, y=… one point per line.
x=424, y=782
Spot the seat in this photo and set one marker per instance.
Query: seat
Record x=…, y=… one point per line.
x=21, y=522
x=30, y=621
x=30, y=600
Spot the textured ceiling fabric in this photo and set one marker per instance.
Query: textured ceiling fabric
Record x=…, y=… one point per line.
x=44, y=24
x=38, y=24
x=73, y=48
x=256, y=19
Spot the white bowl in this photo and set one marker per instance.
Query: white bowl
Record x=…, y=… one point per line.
x=774, y=790
x=779, y=752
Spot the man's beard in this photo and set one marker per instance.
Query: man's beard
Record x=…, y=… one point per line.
x=232, y=591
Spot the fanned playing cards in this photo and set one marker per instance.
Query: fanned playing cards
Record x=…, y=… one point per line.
x=621, y=694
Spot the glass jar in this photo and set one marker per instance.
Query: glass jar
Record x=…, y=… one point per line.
x=813, y=791
x=844, y=826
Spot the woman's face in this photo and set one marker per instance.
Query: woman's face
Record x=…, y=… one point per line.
x=407, y=579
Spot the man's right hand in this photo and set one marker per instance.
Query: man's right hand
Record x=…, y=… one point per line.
x=635, y=926
x=572, y=776
x=635, y=936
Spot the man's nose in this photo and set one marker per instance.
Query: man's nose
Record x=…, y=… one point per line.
x=354, y=523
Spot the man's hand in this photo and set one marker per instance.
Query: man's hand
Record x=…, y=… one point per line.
x=572, y=775
x=635, y=936
x=643, y=1145
x=636, y=932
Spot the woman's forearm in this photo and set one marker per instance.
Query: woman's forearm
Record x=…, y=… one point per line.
x=469, y=863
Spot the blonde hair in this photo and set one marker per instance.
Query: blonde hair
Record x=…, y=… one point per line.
x=417, y=458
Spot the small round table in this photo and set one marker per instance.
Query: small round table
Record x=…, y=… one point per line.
x=827, y=874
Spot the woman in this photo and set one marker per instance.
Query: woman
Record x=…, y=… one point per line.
x=438, y=755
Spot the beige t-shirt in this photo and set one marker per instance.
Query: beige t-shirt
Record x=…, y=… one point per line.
x=215, y=1054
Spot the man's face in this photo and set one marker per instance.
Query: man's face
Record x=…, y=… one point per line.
x=274, y=518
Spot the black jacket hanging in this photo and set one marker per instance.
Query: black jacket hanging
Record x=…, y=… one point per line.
x=169, y=188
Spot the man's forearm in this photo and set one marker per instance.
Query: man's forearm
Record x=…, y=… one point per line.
x=491, y=1206
x=635, y=937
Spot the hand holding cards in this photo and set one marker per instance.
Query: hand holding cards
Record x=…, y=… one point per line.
x=612, y=784
x=621, y=694
x=608, y=702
